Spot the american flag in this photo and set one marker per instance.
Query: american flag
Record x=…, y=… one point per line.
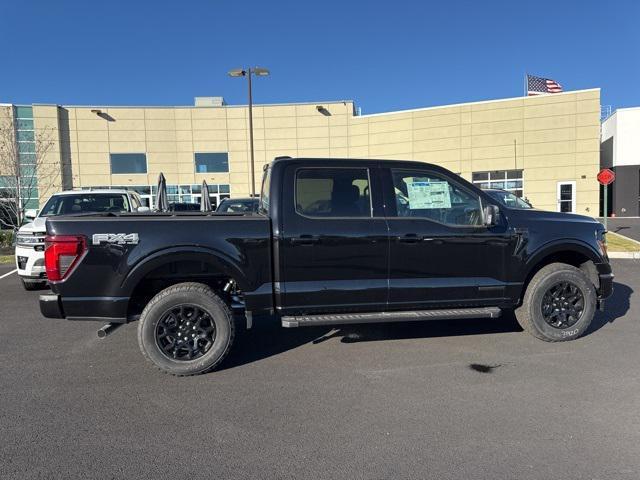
x=539, y=85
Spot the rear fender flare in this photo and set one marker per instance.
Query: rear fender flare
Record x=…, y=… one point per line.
x=217, y=260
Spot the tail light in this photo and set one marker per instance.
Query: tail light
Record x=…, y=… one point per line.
x=61, y=254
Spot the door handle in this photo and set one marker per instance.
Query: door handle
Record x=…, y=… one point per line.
x=414, y=238
x=305, y=240
x=409, y=238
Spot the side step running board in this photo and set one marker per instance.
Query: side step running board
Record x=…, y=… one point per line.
x=382, y=317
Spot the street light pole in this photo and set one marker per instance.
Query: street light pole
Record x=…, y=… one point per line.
x=261, y=72
x=253, y=165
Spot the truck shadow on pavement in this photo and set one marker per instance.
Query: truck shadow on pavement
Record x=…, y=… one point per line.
x=616, y=306
x=268, y=339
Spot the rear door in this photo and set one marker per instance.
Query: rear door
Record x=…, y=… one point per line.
x=334, y=241
x=441, y=254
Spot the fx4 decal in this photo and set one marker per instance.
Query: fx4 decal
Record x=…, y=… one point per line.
x=116, y=238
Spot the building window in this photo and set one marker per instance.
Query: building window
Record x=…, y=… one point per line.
x=23, y=111
x=212, y=162
x=509, y=180
x=25, y=138
x=128, y=163
x=24, y=124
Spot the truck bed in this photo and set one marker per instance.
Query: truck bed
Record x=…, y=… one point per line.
x=110, y=272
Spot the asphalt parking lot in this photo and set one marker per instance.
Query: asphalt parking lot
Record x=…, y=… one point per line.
x=466, y=399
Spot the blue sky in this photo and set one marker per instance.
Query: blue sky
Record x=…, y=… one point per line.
x=385, y=55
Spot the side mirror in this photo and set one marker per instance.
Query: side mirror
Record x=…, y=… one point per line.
x=491, y=214
x=143, y=209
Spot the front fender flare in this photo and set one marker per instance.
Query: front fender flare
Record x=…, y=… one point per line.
x=558, y=246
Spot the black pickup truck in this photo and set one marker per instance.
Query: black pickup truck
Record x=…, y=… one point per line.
x=333, y=242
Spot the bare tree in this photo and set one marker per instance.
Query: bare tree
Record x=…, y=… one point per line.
x=24, y=174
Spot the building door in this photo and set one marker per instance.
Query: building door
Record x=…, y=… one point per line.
x=566, y=195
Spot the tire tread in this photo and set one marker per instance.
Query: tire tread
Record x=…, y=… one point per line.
x=523, y=312
x=182, y=288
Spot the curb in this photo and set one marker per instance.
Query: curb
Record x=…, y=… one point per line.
x=628, y=255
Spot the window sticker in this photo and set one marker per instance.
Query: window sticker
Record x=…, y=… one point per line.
x=428, y=195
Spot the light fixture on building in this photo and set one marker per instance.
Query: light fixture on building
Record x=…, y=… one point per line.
x=96, y=111
x=323, y=110
x=259, y=72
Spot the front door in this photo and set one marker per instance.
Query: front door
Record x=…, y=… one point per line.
x=333, y=251
x=441, y=254
x=566, y=193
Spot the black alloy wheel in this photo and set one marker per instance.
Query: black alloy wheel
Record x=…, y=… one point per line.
x=562, y=305
x=185, y=332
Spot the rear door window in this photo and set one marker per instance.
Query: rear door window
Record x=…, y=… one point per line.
x=333, y=192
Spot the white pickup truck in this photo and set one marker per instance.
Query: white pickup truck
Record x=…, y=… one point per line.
x=30, y=238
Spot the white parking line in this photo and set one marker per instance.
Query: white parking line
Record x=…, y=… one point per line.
x=7, y=274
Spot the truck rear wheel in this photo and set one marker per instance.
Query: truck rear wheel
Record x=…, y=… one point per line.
x=559, y=303
x=186, y=329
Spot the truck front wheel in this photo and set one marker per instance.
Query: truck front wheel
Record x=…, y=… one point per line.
x=559, y=303
x=186, y=329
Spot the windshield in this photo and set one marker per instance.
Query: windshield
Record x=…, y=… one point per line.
x=85, y=203
x=238, y=206
x=508, y=199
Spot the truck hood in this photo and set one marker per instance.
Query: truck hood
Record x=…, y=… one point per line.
x=565, y=217
x=37, y=226
x=534, y=216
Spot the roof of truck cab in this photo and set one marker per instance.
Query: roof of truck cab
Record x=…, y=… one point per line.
x=338, y=161
x=99, y=191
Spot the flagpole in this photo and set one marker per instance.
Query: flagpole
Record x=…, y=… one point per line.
x=525, y=84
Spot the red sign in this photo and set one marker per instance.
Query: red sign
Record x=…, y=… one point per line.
x=606, y=176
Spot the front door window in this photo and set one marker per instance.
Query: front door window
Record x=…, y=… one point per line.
x=429, y=195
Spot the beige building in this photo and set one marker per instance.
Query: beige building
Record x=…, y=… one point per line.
x=545, y=148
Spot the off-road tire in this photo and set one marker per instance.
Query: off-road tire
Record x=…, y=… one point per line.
x=529, y=314
x=31, y=286
x=186, y=293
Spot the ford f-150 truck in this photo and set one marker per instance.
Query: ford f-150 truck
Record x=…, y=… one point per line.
x=334, y=242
